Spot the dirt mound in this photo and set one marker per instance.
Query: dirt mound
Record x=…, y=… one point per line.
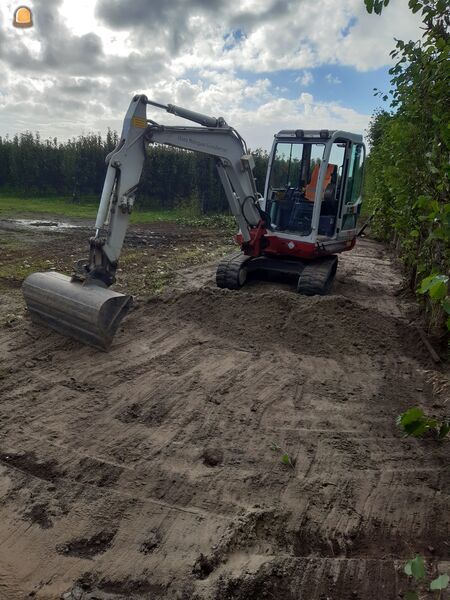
x=318, y=325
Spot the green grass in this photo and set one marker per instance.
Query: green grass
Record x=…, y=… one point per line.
x=19, y=270
x=21, y=207
x=86, y=209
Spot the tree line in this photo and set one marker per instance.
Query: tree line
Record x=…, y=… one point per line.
x=407, y=180
x=76, y=168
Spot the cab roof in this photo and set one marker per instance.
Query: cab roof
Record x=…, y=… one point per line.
x=318, y=134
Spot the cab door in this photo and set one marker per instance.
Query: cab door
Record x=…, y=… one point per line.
x=352, y=194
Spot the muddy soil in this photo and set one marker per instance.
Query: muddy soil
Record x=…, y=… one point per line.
x=156, y=470
x=154, y=254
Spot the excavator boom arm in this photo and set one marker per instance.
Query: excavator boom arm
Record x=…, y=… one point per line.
x=81, y=306
x=125, y=165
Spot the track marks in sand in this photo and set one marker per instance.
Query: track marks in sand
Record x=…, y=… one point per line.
x=223, y=375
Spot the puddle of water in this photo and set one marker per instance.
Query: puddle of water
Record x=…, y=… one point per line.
x=44, y=225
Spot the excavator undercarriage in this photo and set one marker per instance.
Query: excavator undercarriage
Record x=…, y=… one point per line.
x=313, y=278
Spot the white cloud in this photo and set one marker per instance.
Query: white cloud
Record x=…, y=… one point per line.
x=305, y=79
x=287, y=39
x=272, y=113
x=306, y=98
x=78, y=68
x=258, y=127
x=332, y=79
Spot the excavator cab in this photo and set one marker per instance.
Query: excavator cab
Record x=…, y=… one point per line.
x=313, y=185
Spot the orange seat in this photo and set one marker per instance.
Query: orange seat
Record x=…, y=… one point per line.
x=310, y=190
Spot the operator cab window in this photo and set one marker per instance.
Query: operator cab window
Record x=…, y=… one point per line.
x=332, y=189
x=354, y=184
x=292, y=184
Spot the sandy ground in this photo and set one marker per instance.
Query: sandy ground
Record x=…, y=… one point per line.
x=150, y=471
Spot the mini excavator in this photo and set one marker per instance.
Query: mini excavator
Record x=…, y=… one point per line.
x=307, y=216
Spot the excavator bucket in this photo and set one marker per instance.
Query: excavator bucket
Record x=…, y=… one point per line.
x=84, y=311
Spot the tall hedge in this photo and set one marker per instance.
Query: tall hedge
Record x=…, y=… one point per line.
x=407, y=182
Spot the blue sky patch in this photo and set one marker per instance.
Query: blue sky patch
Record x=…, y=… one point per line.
x=346, y=30
x=233, y=39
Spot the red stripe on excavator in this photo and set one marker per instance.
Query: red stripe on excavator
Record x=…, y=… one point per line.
x=281, y=247
x=273, y=245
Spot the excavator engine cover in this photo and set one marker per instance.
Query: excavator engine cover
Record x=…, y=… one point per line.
x=82, y=310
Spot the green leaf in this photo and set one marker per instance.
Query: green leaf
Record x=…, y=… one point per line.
x=435, y=285
x=440, y=583
x=443, y=430
x=412, y=415
x=425, y=284
x=416, y=429
x=285, y=459
x=407, y=568
x=411, y=595
x=418, y=568
x=414, y=5
x=415, y=422
x=378, y=7
x=442, y=278
x=438, y=290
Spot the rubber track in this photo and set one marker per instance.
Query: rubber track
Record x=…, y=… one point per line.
x=317, y=277
x=227, y=274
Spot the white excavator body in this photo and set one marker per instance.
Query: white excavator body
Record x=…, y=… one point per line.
x=307, y=215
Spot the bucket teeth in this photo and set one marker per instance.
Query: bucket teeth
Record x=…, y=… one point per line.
x=84, y=311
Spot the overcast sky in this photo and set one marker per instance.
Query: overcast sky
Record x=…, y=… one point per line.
x=263, y=65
